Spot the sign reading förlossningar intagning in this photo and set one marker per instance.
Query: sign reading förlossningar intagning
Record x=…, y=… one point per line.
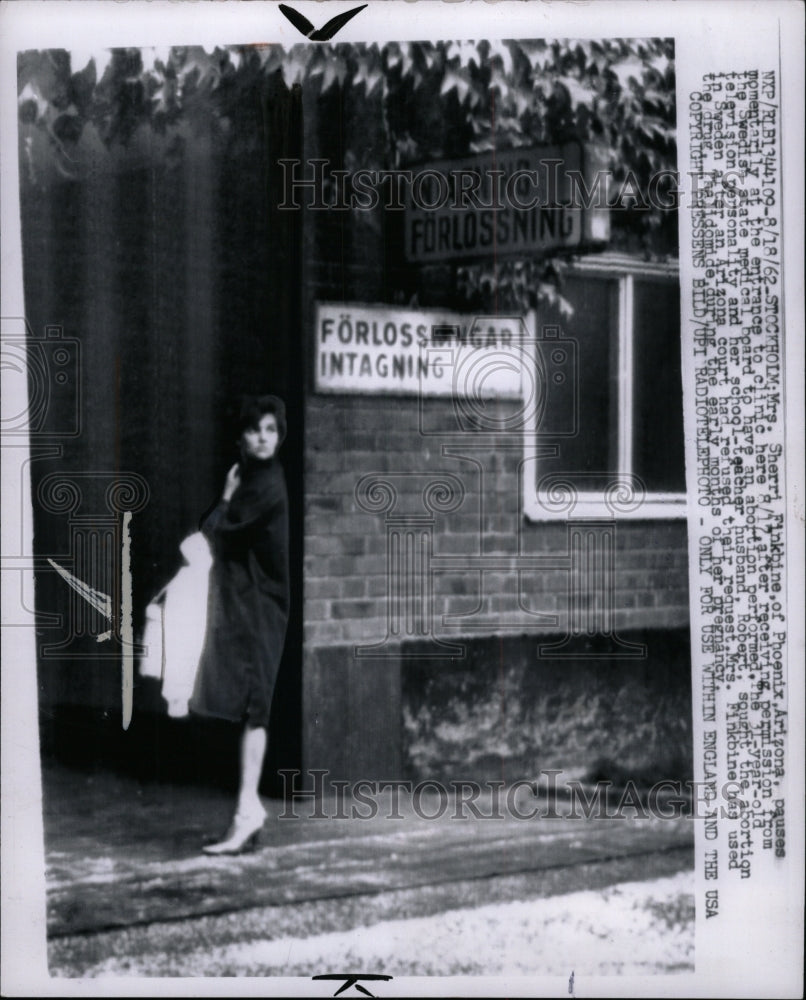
x=382, y=350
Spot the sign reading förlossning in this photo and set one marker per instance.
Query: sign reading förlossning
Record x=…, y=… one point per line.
x=522, y=202
x=383, y=350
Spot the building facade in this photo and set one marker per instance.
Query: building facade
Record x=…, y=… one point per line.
x=486, y=581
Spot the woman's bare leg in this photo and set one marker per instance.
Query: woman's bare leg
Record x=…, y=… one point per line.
x=250, y=814
x=253, y=750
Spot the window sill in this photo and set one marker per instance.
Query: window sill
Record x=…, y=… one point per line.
x=564, y=507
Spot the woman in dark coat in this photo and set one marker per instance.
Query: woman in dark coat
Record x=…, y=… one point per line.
x=248, y=604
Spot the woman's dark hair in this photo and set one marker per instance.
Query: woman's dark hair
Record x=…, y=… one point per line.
x=253, y=408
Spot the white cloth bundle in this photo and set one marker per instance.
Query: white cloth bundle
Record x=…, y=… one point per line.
x=175, y=626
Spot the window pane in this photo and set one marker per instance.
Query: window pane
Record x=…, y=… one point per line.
x=594, y=448
x=657, y=386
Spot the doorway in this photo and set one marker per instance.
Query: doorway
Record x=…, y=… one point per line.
x=172, y=269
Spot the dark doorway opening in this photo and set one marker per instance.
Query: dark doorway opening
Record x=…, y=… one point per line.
x=171, y=267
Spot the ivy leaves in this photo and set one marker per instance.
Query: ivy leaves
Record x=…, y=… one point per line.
x=618, y=92
x=445, y=99
x=509, y=93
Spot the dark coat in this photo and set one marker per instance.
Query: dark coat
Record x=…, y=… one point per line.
x=247, y=609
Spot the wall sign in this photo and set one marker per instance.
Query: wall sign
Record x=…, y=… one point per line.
x=384, y=350
x=522, y=201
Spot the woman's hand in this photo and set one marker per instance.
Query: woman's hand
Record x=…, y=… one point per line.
x=232, y=483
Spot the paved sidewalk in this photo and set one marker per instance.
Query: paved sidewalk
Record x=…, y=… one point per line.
x=122, y=854
x=518, y=925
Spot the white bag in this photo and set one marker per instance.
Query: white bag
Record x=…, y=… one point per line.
x=175, y=626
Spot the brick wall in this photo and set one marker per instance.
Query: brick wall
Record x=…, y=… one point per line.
x=348, y=437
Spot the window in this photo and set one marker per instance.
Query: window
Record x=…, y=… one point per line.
x=607, y=436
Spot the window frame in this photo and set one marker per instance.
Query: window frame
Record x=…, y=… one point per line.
x=654, y=506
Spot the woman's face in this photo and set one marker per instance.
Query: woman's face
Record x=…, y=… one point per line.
x=260, y=442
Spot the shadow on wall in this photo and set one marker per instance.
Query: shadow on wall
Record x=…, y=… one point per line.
x=502, y=713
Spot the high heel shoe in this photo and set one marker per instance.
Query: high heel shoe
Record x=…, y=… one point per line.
x=242, y=835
